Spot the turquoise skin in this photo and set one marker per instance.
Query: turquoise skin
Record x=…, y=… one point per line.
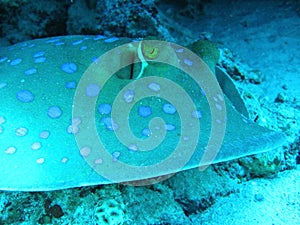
x=39, y=130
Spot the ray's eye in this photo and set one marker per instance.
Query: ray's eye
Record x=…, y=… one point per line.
x=150, y=52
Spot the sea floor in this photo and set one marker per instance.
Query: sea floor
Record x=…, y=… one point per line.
x=258, y=201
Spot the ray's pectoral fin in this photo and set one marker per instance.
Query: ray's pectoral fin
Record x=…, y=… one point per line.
x=42, y=81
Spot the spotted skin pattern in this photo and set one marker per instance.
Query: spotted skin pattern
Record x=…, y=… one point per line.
x=38, y=79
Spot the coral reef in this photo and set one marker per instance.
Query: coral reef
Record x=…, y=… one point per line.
x=117, y=18
x=23, y=20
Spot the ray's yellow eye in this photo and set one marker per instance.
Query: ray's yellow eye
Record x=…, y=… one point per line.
x=149, y=52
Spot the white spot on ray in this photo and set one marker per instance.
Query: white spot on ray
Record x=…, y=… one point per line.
x=22, y=131
x=92, y=90
x=116, y=155
x=154, y=87
x=98, y=161
x=188, y=62
x=186, y=138
x=40, y=160
x=73, y=128
x=128, y=96
x=85, y=151
x=169, y=127
x=64, y=159
x=133, y=147
x=11, y=150
x=2, y=120
x=220, y=97
x=219, y=107
x=36, y=145
x=197, y=114
x=44, y=134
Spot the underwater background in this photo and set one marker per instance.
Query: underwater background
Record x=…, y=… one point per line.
x=259, y=44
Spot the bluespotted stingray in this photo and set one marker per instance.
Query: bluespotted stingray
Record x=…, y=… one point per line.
x=78, y=111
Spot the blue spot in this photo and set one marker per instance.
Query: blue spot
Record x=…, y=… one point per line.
x=54, y=112
x=2, y=85
x=170, y=127
x=179, y=50
x=15, y=62
x=77, y=42
x=197, y=114
x=202, y=92
x=169, y=108
x=145, y=111
x=104, y=108
x=146, y=132
x=94, y=59
x=188, y=62
x=128, y=96
x=92, y=90
x=116, y=155
x=71, y=85
x=98, y=37
x=109, y=123
x=25, y=96
x=52, y=40
x=38, y=54
x=30, y=71
x=112, y=39
x=59, y=43
x=2, y=59
x=69, y=67
x=83, y=48
x=40, y=60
